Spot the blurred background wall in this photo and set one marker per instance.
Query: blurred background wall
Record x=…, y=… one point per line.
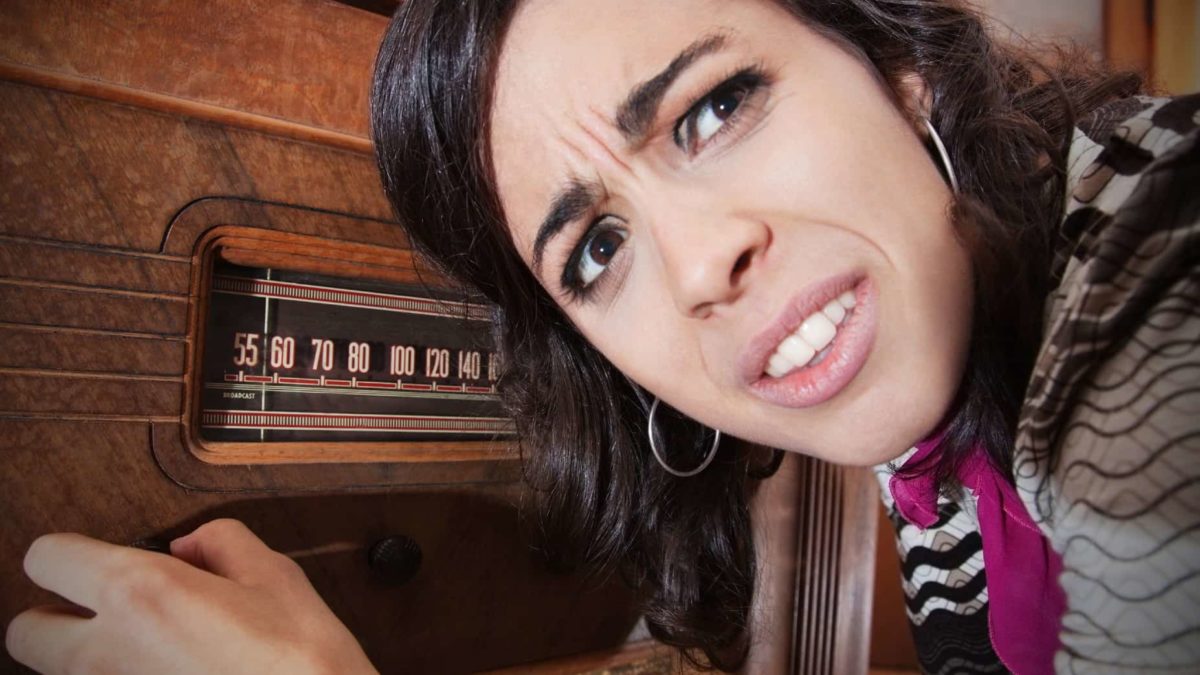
x=1160, y=38
x=1079, y=20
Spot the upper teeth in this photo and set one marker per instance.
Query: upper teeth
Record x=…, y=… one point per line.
x=814, y=334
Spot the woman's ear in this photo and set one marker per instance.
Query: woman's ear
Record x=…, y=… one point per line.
x=915, y=99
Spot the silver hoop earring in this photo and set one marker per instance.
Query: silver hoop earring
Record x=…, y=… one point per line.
x=663, y=463
x=941, y=148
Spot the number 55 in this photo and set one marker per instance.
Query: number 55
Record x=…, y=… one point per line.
x=246, y=345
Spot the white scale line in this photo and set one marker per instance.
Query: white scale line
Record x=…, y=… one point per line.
x=262, y=433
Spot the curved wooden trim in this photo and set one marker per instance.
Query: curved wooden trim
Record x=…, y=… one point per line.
x=74, y=330
x=91, y=375
x=84, y=417
x=94, y=289
x=173, y=105
x=342, y=258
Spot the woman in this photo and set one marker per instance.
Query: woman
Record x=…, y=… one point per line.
x=826, y=227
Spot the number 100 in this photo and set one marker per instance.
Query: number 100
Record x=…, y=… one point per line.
x=402, y=361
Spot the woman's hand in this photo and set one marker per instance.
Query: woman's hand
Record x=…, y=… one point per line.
x=222, y=602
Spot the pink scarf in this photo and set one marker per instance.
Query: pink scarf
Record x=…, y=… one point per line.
x=1026, y=602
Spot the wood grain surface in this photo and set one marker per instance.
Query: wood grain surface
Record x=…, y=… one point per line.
x=106, y=200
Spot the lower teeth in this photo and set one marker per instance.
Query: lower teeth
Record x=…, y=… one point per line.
x=820, y=356
x=824, y=353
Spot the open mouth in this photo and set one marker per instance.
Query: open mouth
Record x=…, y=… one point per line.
x=817, y=346
x=811, y=343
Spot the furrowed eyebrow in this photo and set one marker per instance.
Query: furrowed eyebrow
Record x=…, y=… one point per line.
x=571, y=203
x=637, y=112
x=634, y=117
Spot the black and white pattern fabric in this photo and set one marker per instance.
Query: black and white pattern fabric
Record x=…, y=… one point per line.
x=945, y=587
x=1108, y=450
x=1107, y=458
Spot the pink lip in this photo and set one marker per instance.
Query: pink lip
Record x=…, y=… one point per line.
x=810, y=386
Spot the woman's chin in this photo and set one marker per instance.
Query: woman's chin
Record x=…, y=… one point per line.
x=867, y=444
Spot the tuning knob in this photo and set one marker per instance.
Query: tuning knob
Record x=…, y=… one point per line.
x=394, y=560
x=154, y=544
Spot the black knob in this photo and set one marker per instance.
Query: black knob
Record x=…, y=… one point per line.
x=394, y=560
x=155, y=544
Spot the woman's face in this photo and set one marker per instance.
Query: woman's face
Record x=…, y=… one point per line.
x=733, y=209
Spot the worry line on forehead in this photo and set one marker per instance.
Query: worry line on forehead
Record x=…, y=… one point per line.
x=633, y=118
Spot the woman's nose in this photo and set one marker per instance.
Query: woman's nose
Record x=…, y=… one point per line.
x=710, y=261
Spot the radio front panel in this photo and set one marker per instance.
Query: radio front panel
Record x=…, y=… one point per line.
x=292, y=356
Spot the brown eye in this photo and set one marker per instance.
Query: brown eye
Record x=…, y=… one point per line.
x=725, y=102
x=713, y=113
x=598, y=251
x=710, y=114
x=604, y=246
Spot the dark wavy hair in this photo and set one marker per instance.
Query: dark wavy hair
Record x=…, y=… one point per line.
x=599, y=499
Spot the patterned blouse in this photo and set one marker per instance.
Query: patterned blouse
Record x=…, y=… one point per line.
x=1107, y=457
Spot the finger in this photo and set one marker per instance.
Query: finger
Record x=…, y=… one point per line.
x=79, y=568
x=228, y=548
x=47, y=639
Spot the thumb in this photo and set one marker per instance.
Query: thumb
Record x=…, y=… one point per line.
x=228, y=548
